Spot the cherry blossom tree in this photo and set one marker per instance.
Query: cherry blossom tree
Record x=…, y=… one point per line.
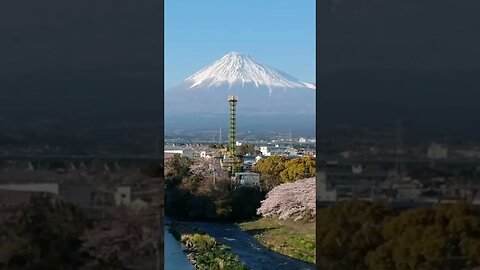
x=203, y=167
x=294, y=200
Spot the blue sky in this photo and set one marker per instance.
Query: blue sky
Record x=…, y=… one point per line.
x=278, y=33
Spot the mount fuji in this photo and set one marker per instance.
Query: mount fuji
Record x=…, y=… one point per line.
x=261, y=90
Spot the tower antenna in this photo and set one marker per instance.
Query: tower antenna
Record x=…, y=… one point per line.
x=232, y=131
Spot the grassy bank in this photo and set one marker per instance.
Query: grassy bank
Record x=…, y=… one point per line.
x=294, y=239
x=205, y=252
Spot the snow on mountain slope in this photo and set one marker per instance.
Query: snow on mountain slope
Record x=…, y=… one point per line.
x=261, y=90
x=240, y=69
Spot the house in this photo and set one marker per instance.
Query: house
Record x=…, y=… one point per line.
x=264, y=151
x=139, y=204
x=278, y=150
x=437, y=151
x=172, y=150
x=408, y=189
x=248, y=162
x=291, y=152
x=247, y=179
x=123, y=195
x=357, y=169
x=203, y=154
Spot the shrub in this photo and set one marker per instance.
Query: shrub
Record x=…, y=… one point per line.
x=206, y=251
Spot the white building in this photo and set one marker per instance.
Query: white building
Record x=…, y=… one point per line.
x=302, y=140
x=292, y=151
x=357, y=169
x=123, y=196
x=264, y=151
x=247, y=179
x=203, y=154
x=437, y=151
x=187, y=152
x=278, y=150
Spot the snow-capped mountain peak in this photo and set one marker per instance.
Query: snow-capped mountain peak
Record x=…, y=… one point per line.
x=240, y=69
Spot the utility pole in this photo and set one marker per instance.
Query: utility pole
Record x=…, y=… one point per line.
x=220, y=137
x=290, y=138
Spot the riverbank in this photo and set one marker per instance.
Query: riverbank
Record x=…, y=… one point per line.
x=293, y=239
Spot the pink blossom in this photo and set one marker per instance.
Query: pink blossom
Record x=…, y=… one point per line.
x=295, y=201
x=203, y=166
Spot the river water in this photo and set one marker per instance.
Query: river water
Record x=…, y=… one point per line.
x=251, y=253
x=175, y=258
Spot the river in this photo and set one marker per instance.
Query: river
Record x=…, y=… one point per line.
x=254, y=255
x=251, y=252
x=175, y=258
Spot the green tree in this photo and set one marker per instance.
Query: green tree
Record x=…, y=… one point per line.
x=362, y=235
x=420, y=247
x=381, y=258
x=347, y=232
x=444, y=237
x=298, y=168
x=177, y=168
x=270, y=169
